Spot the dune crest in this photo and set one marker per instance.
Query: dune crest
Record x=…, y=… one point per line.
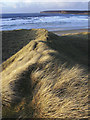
x=47, y=78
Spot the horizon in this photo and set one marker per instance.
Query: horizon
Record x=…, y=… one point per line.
x=49, y=10
x=44, y=11
x=29, y=6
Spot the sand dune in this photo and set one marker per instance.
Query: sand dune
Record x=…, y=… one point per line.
x=47, y=75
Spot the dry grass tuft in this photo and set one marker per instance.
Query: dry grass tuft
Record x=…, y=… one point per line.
x=47, y=78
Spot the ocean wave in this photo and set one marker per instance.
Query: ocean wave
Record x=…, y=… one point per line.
x=38, y=21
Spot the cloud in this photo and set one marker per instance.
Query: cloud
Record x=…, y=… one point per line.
x=14, y=6
x=28, y=6
x=26, y=1
x=15, y=1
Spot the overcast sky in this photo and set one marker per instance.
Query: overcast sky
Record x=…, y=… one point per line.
x=35, y=6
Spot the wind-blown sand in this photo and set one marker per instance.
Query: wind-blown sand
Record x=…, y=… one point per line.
x=47, y=75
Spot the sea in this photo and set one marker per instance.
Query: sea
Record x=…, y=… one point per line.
x=49, y=21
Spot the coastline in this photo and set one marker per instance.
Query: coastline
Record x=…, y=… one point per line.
x=59, y=32
x=78, y=12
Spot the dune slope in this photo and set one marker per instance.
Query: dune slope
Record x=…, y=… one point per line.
x=47, y=78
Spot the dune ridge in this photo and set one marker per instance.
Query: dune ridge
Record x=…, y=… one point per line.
x=47, y=78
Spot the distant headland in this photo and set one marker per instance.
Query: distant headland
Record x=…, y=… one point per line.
x=67, y=11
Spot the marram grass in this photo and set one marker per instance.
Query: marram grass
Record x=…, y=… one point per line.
x=47, y=78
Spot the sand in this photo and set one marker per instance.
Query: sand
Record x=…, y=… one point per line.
x=69, y=31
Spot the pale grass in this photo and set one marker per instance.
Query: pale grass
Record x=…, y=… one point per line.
x=38, y=82
x=48, y=103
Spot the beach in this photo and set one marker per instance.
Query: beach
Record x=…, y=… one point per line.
x=69, y=31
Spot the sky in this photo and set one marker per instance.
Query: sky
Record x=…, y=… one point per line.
x=35, y=6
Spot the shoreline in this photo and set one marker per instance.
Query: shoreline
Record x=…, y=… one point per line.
x=59, y=32
x=52, y=30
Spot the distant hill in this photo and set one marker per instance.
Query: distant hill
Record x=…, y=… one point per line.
x=44, y=75
x=66, y=12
